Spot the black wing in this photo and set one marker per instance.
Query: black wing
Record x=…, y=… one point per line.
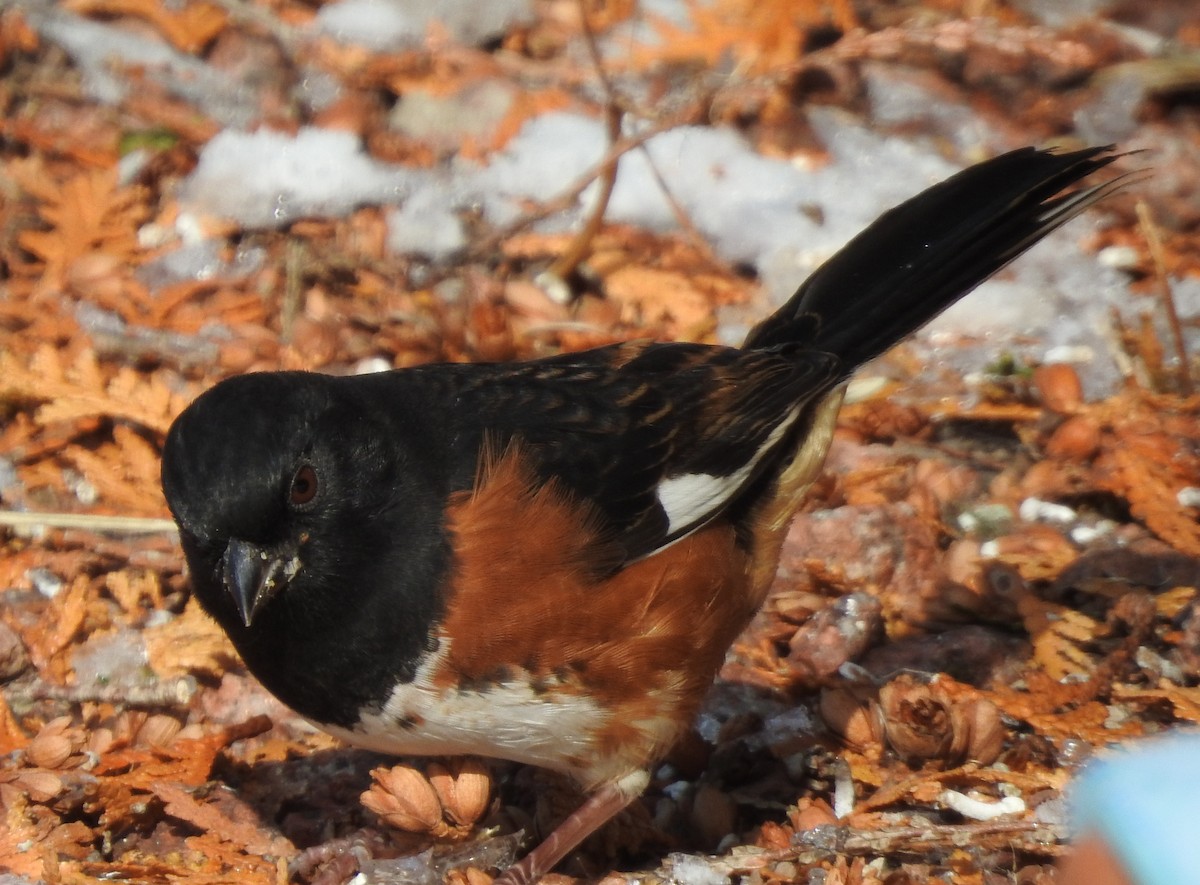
x=659, y=438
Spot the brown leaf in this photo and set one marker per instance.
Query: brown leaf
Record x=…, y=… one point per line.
x=68, y=611
x=1059, y=387
x=81, y=389
x=1076, y=439
x=181, y=804
x=188, y=26
x=135, y=590
x=190, y=643
x=650, y=296
x=762, y=35
x=1184, y=701
x=85, y=212
x=1148, y=458
x=11, y=735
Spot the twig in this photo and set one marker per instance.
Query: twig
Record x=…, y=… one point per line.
x=1027, y=835
x=488, y=245
x=293, y=267
x=554, y=278
x=247, y=13
x=117, y=525
x=163, y=693
x=919, y=841
x=1158, y=255
x=678, y=212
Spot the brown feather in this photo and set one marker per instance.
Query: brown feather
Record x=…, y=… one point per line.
x=644, y=643
x=771, y=517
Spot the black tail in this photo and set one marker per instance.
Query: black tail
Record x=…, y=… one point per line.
x=920, y=257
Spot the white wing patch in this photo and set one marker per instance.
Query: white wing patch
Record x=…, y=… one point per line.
x=691, y=498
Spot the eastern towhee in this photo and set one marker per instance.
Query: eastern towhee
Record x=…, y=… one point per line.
x=546, y=561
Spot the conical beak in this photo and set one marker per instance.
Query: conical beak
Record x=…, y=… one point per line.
x=253, y=575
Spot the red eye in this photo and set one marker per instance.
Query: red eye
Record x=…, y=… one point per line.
x=304, y=486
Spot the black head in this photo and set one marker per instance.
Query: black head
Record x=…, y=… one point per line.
x=311, y=516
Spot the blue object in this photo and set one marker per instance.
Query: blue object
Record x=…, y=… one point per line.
x=1144, y=802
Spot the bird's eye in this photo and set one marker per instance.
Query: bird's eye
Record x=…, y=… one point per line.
x=304, y=486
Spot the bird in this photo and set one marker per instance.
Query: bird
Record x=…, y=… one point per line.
x=546, y=561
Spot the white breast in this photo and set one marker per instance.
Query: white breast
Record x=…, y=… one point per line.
x=506, y=720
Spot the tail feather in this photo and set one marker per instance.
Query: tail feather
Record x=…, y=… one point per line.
x=920, y=257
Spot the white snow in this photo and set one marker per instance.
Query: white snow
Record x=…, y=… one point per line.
x=424, y=225
x=103, y=53
x=780, y=218
x=755, y=210
x=687, y=869
x=268, y=179
x=398, y=24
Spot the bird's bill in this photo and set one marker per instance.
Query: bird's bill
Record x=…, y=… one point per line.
x=254, y=574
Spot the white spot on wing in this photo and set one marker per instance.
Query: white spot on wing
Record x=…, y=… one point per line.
x=691, y=498
x=688, y=498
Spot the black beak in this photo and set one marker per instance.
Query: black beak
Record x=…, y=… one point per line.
x=253, y=575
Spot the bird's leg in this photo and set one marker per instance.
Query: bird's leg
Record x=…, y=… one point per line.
x=598, y=810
